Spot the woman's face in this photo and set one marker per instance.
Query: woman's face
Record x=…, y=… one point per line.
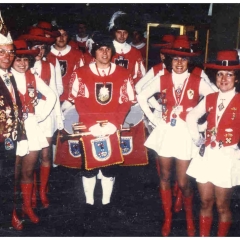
x=225, y=80
x=41, y=53
x=180, y=64
x=21, y=64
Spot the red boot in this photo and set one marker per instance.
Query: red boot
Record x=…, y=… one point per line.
x=178, y=201
x=44, y=176
x=34, y=193
x=223, y=228
x=205, y=224
x=187, y=201
x=27, y=201
x=16, y=223
x=166, y=196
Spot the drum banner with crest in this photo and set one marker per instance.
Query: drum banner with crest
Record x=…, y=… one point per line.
x=101, y=151
x=132, y=145
x=68, y=153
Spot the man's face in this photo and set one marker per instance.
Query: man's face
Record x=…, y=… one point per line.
x=81, y=29
x=61, y=41
x=121, y=36
x=6, y=56
x=103, y=55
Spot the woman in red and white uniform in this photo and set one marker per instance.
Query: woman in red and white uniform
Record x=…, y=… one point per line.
x=179, y=93
x=45, y=70
x=217, y=167
x=28, y=84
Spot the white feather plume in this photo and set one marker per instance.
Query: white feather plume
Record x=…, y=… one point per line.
x=114, y=16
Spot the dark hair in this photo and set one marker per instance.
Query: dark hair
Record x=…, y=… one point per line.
x=95, y=47
x=29, y=57
x=211, y=73
x=34, y=43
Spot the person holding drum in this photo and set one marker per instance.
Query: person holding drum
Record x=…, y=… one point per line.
x=28, y=83
x=102, y=93
x=179, y=91
x=217, y=167
x=45, y=70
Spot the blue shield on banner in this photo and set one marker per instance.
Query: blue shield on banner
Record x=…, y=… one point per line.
x=74, y=148
x=126, y=145
x=101, y=148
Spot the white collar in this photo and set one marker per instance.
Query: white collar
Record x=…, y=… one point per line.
x=79, y=39
x=93, y=68
x=2, y=73
x=179, y=78
x=139, y=46
x=63, y=52
x=121, y=47
x=227, y=95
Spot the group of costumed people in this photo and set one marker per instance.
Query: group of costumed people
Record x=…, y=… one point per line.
x=42, y=78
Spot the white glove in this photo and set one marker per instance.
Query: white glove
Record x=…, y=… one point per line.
x=155, y=120
x=202, y=127
x=60, y=124
x=106, y=129
x=22, y=148
x=39, y=118
x=201, y=140
x=66, y=104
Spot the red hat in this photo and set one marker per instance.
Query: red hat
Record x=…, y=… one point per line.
x=37, y=34
x=48, y=29
x=22, y=48
x=166, y=42
x=180, y=47
x=185, y=37
x=226, y=60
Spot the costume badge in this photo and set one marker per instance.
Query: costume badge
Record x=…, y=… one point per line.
x=101, y=149
x=103, y=92
x=126, y=145
x=120, y=61
x=31, y=91
x=190, y=93
x=74, y=148
x=9, y=144
x=63, y=66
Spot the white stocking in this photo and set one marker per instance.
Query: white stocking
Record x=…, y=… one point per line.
x=88, y=186
x=107, y=187
x=53, y=153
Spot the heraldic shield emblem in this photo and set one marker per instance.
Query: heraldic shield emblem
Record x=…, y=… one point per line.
x=103, y=92
x=126, y=145
x=74, y=148
x=63, y=66
x=120, y=61
x=101, y=148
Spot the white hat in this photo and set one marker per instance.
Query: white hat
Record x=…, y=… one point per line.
x=5, y=36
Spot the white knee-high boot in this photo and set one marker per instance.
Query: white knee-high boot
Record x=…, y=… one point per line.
x=88, y=186
x=107, y=188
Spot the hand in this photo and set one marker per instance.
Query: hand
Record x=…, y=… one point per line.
x=22, y=148
x=103, y=129
x=201, y=140
x=39, y=118
x=66, y=104
x=60, y=124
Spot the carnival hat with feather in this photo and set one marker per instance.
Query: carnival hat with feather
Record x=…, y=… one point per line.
x=226, y=60
x=166, y=41
x=120, y=21
x=5, y=36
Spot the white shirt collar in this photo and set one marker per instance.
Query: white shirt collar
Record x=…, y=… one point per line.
x=139, y=46
x=227, y=95
x=121, y=47
x=94, y=68
x=63, y=52
x=2, y=73
x=81, y=39
x=178, y=79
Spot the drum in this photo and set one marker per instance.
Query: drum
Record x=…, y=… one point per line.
x=134, y=117
x=71, y=116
